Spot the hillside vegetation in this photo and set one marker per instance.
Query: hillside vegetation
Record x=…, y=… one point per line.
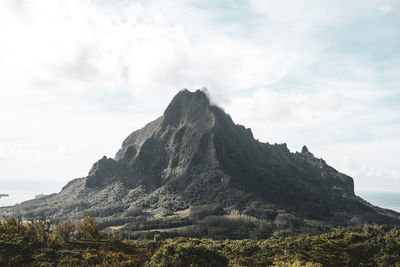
x=42, y=242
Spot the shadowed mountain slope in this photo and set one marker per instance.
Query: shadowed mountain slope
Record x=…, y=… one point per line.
x=194, y=156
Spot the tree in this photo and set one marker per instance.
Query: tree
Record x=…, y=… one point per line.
x=63, y=232
x=89, y=230
x=43, y=228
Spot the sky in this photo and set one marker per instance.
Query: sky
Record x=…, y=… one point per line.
x=77, y=76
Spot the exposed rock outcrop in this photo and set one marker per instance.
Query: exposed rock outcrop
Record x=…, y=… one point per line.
x=193, y=155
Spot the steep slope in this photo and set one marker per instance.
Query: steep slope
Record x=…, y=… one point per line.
x=193, y=156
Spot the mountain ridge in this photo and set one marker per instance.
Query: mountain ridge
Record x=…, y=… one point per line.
x=194, y=155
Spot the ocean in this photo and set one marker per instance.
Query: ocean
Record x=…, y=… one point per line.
x=389, y=200
x=15, y=196
x=22, y=190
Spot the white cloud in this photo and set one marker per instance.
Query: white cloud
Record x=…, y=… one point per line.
x=385, y=8
x=77, y=45
x=265, y=107
x=373, y=165
x=311, y=14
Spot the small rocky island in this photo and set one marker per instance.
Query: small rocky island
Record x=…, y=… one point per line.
x=3, y=195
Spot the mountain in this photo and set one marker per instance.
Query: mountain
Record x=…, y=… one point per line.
x=195, y=166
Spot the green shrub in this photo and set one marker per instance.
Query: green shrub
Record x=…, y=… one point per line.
x=89, y=230
x=183, y=254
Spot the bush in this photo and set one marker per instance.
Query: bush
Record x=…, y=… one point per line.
x=89, y=230
x=177, y=254
x=200, y=212
x=34, y=243
x=64, y=232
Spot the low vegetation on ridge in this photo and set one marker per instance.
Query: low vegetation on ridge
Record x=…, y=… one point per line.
x=42, y=242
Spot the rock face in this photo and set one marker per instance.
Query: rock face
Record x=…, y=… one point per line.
x=193, y=155
x=196, y=151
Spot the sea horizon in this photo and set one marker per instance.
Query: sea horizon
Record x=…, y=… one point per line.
x=383, y=199
x=22, y=190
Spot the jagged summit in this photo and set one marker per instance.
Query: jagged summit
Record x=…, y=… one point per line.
x=186, y=107
x=195, y=155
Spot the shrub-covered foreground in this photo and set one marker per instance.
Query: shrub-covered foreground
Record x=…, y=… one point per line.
x=43, y=243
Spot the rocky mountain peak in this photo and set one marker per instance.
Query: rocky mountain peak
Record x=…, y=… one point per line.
x=186, y=107
x=194, y=155
x=192, y=136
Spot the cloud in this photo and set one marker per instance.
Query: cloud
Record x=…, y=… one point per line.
x=78, y=45
x=316, y=14
x=372, y=165
x=89, y=45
